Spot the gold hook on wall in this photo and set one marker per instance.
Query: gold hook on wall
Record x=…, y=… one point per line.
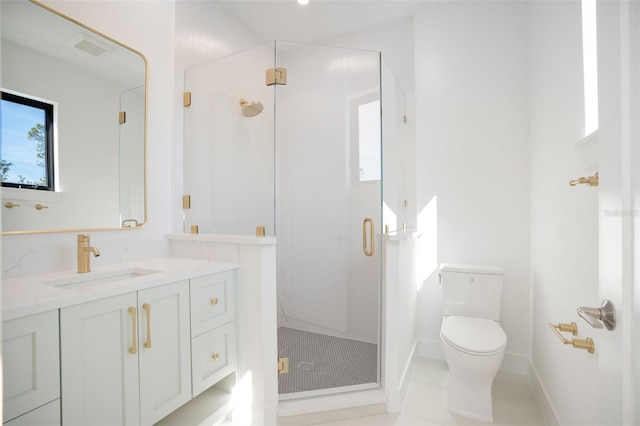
x=589, y=180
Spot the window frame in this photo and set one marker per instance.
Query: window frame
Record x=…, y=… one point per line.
x=49, y=160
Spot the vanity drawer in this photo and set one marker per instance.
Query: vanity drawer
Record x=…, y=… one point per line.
x=212, y=301
x=213, y=356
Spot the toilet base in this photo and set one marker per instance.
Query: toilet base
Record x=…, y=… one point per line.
x=473, y=400
x=470, y=382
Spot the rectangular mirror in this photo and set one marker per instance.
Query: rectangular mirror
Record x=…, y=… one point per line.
x=84, y=167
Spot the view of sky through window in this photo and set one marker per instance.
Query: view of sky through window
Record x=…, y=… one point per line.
x=19, y=152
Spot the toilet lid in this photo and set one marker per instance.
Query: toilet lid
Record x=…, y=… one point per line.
x=473, y=335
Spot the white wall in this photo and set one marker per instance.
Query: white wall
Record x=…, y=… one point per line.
x=129, y=23
x=472, y=113
x=564, y=226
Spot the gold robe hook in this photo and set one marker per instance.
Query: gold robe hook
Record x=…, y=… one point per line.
x=589, y=181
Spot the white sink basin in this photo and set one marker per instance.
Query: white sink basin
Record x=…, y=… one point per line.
x=91, y=278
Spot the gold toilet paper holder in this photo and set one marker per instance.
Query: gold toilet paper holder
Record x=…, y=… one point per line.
x=572, y=328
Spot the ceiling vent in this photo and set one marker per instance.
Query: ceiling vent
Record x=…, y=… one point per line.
x=90, y=45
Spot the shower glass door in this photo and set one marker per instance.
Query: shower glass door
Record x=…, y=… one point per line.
x=328, y=218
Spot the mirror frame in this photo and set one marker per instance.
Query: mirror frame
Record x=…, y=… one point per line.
x=146, y=114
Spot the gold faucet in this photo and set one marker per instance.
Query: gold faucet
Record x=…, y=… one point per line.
x=84, y=250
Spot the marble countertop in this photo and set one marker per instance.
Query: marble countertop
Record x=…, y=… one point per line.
x=38, y=293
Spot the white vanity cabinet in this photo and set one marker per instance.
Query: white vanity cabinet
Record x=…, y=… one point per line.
x=213, y=351
x=125, y=359
x=213, y=342
x=31, y=373
x=155, y=348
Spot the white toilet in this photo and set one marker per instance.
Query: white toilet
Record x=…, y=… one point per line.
x=472, y=339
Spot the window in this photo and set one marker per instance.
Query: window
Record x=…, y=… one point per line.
x=590, y=66
x=26, y=143
x=369, y=154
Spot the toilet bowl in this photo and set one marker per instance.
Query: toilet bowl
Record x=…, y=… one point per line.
x=472, y=340
x=474, y=349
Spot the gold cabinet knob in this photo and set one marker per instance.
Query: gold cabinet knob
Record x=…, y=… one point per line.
x=215, y=357
x=214, y=301
x=11, y=205
x=40, y=207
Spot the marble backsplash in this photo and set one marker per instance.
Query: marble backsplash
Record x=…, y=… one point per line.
x=22, y=261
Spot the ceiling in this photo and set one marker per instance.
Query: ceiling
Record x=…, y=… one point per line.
x=319, y=20
x=36, y=28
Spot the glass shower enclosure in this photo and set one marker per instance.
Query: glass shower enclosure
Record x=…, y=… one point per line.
x=303, y=158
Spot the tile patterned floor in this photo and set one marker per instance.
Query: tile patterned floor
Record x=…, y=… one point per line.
x=317, y=361
x=426, y=403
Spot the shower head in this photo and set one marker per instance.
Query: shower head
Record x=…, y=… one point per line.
x=250, y=109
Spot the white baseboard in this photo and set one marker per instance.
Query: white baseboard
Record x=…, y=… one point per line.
x=544, y=403
x=395, y=397
x=431, y=349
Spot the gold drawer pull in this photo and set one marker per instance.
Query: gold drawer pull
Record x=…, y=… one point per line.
x=134, y=319
x=214, y=301
x=215, y=357
x=147, y=308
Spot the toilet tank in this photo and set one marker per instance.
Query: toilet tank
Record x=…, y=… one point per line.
x=471, y=290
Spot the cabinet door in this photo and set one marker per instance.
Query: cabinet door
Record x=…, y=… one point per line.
x=31, y=370
x=165, y=368
x=99, y=362
x=47, y=415
x=212, y=301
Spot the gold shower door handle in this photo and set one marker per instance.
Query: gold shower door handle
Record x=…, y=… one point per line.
x=134, y=319
x=368, y=244
x=147, y=308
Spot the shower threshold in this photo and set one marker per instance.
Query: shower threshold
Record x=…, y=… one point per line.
x=371, y=400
